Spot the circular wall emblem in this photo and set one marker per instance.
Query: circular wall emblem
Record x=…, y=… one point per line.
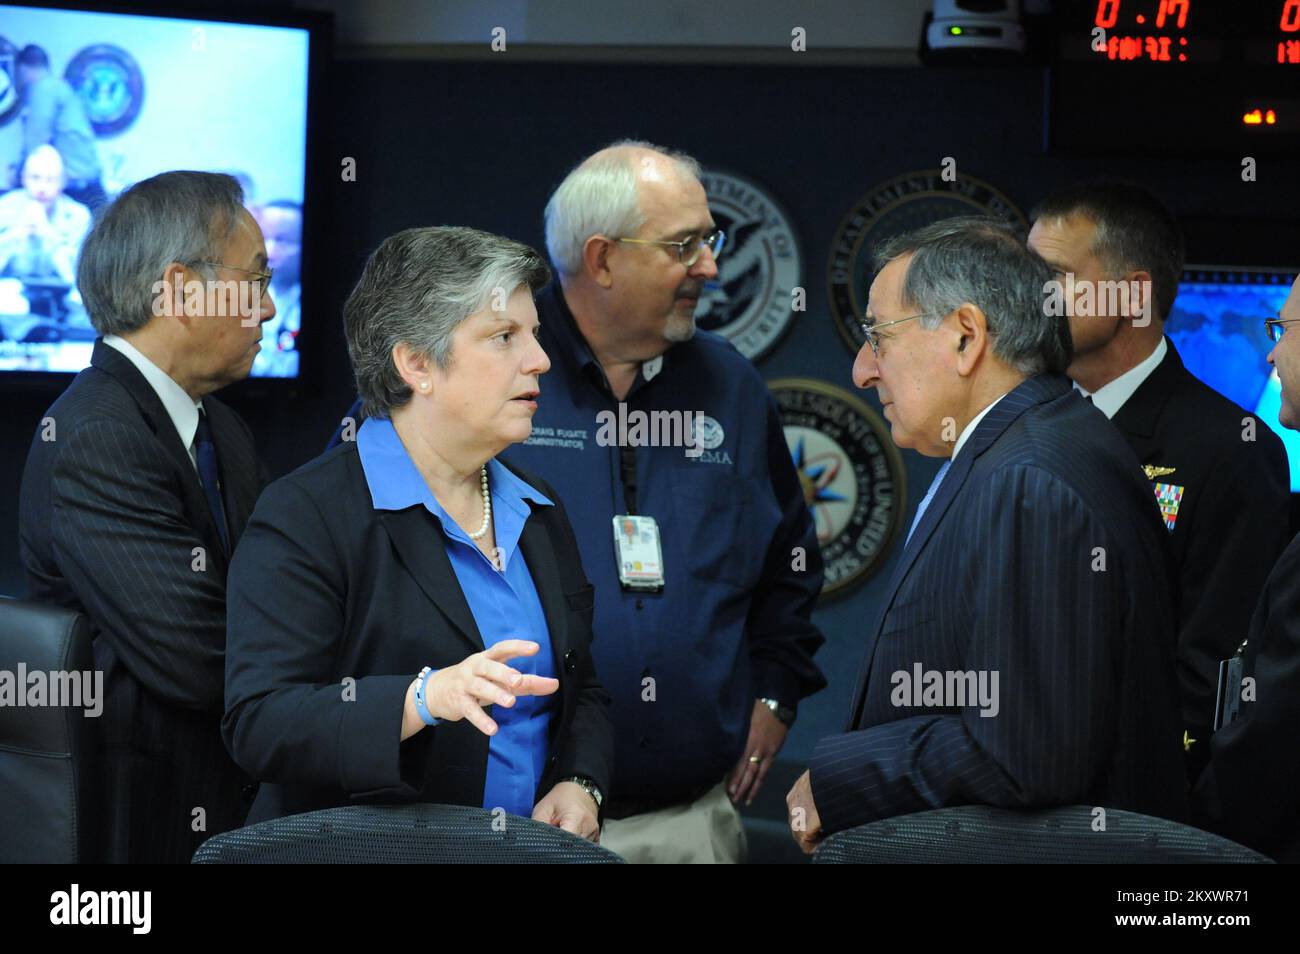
x=749, y=302
x=10, y=101
x=110, y=84
x=852, y=476
x=908, y=202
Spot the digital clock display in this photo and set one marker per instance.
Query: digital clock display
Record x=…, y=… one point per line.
x=1155, y=32
x=1182, y=77
x=1262, y=32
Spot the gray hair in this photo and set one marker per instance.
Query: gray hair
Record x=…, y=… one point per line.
x=417, y=287
x=599, y=197
x=184, y=217
x=985, y=262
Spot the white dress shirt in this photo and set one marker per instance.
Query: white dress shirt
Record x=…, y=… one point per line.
x=1109, y=398
x=180, y=407
x=969, y=429
x=966, y=432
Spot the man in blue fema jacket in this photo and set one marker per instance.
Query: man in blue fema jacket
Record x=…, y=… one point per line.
x=670, y=456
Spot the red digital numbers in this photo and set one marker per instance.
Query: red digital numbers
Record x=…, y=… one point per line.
x=1168, y=8
x=1108, y=13
x=1290, y=22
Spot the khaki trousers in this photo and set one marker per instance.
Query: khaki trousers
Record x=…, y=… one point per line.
x=706, y=831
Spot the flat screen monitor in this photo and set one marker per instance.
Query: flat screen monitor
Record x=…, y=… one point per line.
x=1217, y=324
x=123, y=97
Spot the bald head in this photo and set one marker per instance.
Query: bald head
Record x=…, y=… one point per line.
x=43, y=174
x=606, y=193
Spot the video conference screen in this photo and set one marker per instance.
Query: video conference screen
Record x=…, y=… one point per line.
x=1217, y=324
x=91, y=103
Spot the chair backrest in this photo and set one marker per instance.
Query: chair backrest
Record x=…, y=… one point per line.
x=981, y=834
x=47, y=743
x=401, y=834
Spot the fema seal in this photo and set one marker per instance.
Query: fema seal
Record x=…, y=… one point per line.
x=110, y=85
x=708, y=432
x=10, y=101
x=908, y=202
x=852, y=476
x=749, y=302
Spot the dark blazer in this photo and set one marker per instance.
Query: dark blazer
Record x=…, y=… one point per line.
x=1250, y=791
x=1231, y=525
x=111, y=514
x=325, y=588
x=1004, y=574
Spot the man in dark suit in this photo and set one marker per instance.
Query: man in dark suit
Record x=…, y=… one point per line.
x=1219, y=473
x=1023, y=656
x=1250, y=791
x=136, y=490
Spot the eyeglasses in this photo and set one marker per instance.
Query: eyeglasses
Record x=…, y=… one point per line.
x=871, y=330
x=690, y=248
x=265, y=276
x=1273, y=327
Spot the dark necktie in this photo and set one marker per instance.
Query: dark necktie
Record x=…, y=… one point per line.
x=206, y=453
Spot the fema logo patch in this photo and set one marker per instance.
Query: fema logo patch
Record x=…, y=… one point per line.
x=1169, y=497
x=110, y=85
x=708, y=432
x=10, y=101
x=907, y=202
x=852, y=476
x=760, y=266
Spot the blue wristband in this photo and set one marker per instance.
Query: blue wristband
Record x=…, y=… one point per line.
x=425, y=715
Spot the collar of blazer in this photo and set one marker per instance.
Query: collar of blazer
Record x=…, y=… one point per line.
x=1032, y=391
x=414, y=532
x=1140, y=414
x=119, y=367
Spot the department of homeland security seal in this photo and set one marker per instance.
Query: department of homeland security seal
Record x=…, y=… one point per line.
x=749, y=302
x=10, y=101
x=907, y=202
x=852, y=476
x=110, y=84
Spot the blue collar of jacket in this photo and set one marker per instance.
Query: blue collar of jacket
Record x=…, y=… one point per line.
x=561, y=327
x=563, y=339
x=395, y=482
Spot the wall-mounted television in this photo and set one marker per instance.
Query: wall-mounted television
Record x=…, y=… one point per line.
x=1217, y=324
x=123, y=96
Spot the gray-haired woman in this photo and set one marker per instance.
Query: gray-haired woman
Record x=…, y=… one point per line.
x=408, y=617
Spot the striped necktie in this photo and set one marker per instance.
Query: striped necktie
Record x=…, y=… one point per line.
x=205, y=453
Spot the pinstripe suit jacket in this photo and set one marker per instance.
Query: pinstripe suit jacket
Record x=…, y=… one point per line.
x=111, y=514
x=1004, y=575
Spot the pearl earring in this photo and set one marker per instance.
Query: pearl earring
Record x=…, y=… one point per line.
x=424, y=385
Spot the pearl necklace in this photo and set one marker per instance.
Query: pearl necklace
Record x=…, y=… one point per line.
x=487, y=505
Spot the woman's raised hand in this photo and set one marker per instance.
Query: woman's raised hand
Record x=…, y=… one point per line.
x=483, y=679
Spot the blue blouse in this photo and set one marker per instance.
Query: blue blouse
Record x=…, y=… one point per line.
x=504, y=603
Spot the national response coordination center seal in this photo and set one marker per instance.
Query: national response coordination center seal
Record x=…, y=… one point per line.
x=907, y=202
x=749, y=303
x=110, y=84
x=852, y=476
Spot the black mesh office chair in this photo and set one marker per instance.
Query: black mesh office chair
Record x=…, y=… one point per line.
x=401, y=834
x=979, y=834
x=47, y=765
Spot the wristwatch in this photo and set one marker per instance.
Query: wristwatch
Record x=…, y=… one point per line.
x=588, y=786
x=781, y=712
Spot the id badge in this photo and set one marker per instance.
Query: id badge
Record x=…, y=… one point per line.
x=639, y=555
